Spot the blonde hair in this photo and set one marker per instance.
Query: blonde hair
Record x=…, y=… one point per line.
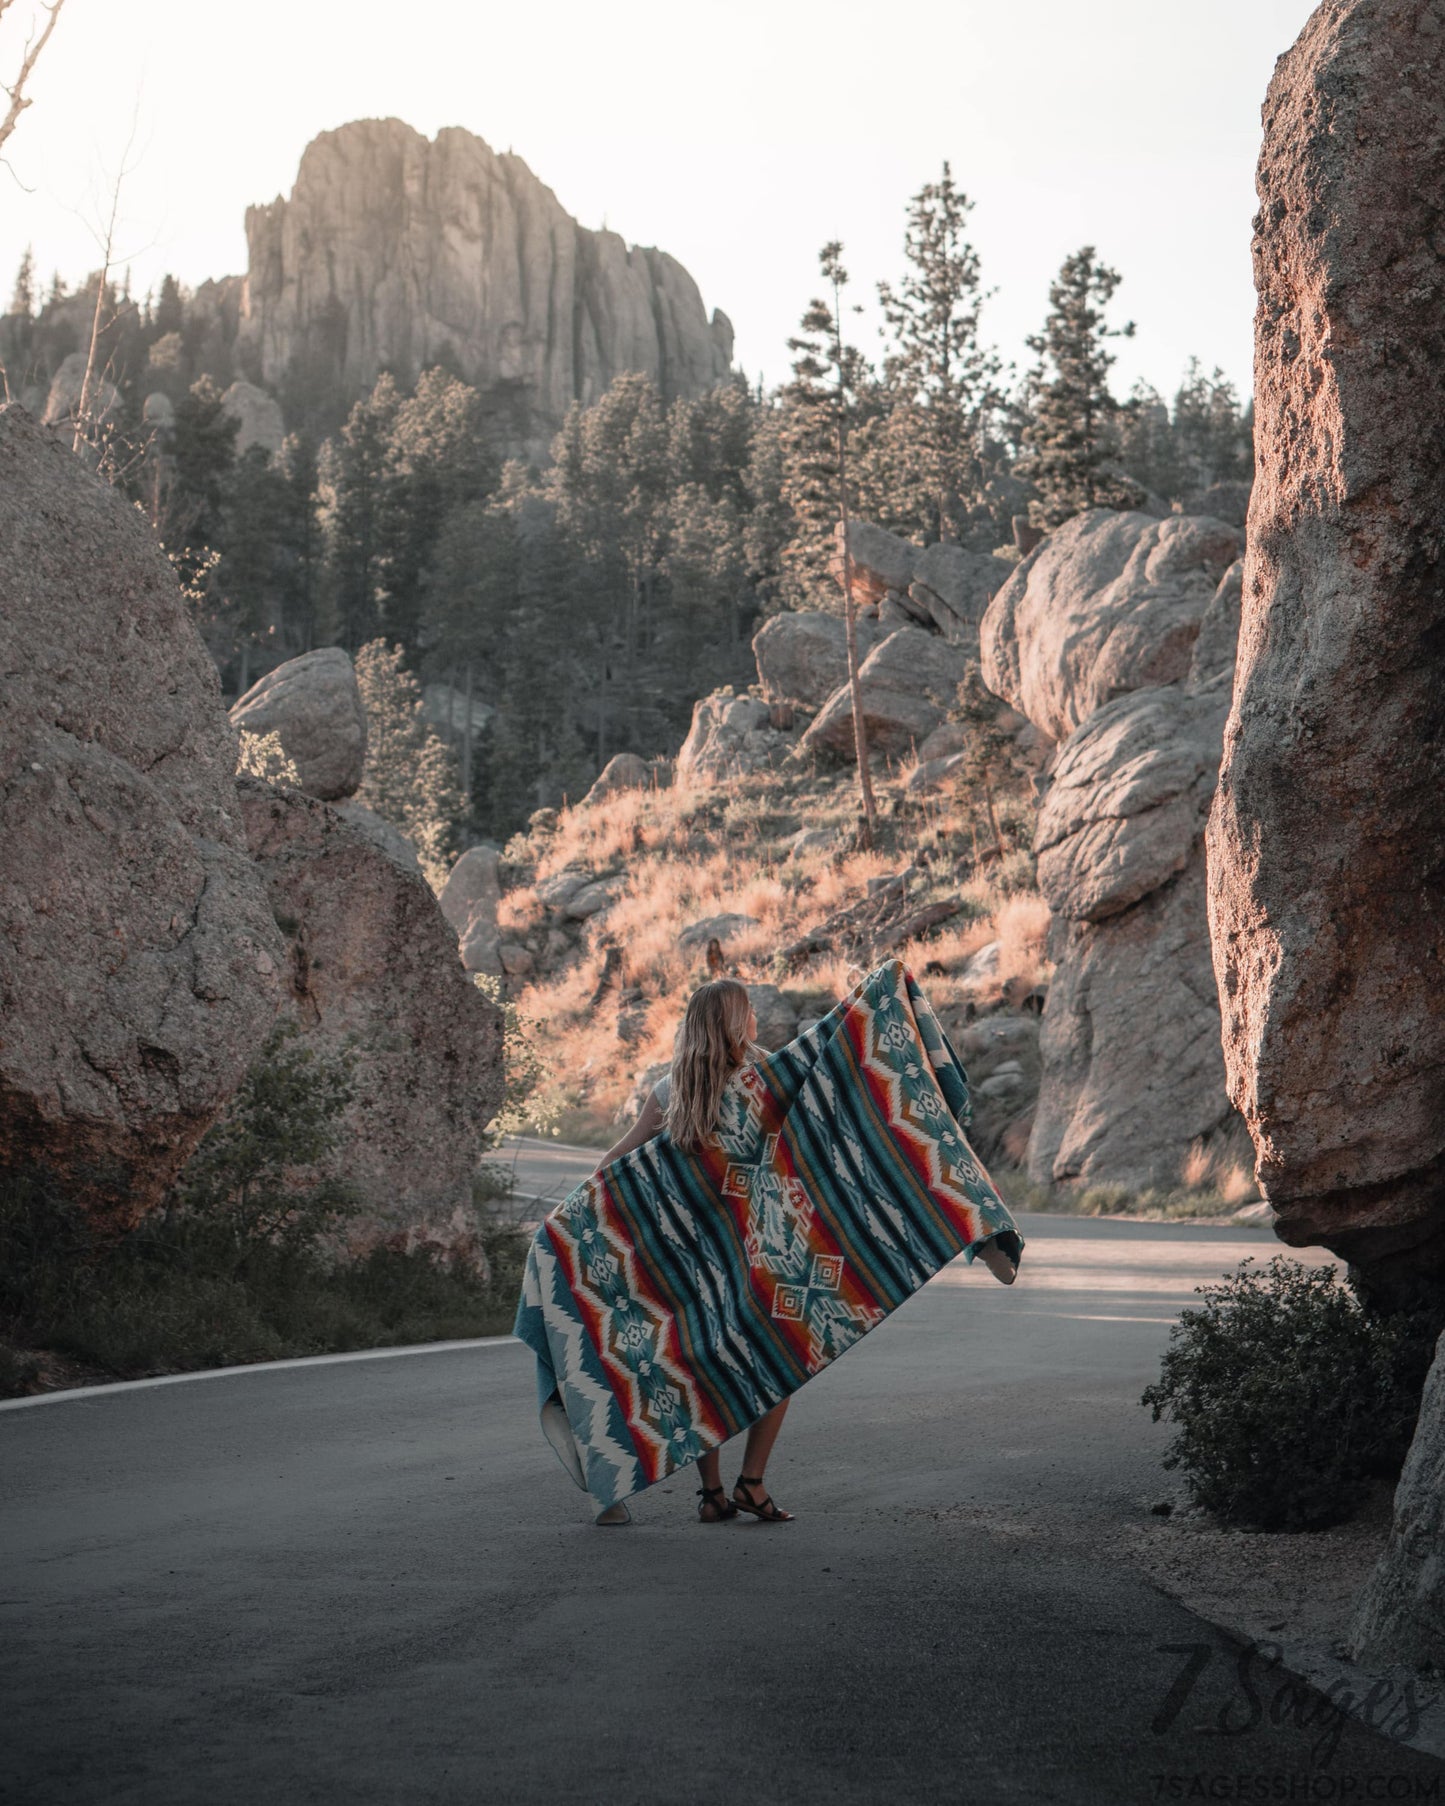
x=711, y=1045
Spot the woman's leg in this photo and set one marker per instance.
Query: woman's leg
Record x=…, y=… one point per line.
x=761, y=1437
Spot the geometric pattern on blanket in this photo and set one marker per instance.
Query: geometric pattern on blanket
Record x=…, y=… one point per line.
x=675, y=1296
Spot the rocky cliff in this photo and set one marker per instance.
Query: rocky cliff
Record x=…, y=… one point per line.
x=398, y=252
x=1325, y=848
x=1327, y=866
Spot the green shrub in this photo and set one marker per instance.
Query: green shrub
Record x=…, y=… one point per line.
x=239, y=1264
x=1288, y=1395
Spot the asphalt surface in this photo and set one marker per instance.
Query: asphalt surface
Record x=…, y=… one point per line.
x=370, y=1581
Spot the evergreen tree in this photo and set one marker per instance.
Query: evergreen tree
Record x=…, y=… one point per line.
x=410, y=778
x=300, y=544
x=354, y=476
x=830, y=394
x=170, y=312
x=440, y=460
x=200, y=451
x=1069, y=434
x=941, y=380
x=249, y=575
x=22, y=299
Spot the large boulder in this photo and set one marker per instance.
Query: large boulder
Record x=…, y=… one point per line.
x=1127, y=805
x=469, y=900
x=1132, y=1068
x=1326, y=859
x=139, y=962
x=908, y=684
x=372, y=965
x=259, y=417
x=1133, y=675
x=1399, y=1618
x=1107, y=604
x=314, y=705
x=623, y=771
x=730, y=735
x=954, y=587
x=67, y=390
x=803, y=657
x=881, y=561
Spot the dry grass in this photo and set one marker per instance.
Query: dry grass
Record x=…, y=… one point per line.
x=688, y=855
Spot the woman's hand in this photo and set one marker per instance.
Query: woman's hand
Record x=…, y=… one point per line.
x=997, y=1262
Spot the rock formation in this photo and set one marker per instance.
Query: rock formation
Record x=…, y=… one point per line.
x=1108, y=603
x=314, y=705
x=909, y=682
x=942, y=587
x=371, y=962
x=259, y=415
x=396, y=252
x=623, y=771
x=139, y=962
x=469, y=901
x=67, y=386
x=1327, y=873
x=803, y=658
x=1115, y=634
x=729, y=734
x=1132, y=1069
x=1399, y=1618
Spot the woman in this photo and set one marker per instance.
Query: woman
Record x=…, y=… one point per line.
x=716, y=1041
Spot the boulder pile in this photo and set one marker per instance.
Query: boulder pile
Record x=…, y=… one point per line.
x=154, y=918
x=371, y=965
x=1113, y=637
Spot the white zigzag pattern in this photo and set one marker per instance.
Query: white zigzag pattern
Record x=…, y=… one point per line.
x=618, y=1250
x=946, y=1175
x=586, y=1403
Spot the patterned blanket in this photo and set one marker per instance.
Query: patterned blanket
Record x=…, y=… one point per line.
x=673, y=1298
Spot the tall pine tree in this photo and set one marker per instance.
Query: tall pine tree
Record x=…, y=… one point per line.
x=1069, y=432
x=941, y=379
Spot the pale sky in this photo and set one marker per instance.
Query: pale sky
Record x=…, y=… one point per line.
x=739, y=138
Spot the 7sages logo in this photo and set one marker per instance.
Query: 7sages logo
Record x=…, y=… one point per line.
x=1267, y=1693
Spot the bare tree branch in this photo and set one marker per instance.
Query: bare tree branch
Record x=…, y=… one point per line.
x=19, y=100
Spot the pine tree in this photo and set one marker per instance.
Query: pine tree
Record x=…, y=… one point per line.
x=410, y=778
x=354, y=475
x=22, y=300
x=249, y=576
x=941, y=381
x=440, y=460
x=831, y=385
x=299, y=539
x=1070, y=441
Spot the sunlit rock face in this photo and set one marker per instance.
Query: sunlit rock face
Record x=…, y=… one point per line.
x=398, y=252
x=1327, y=844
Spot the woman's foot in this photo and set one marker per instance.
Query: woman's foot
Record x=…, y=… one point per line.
x=716, y=1506
x=613, y=1514
x=751, y=1495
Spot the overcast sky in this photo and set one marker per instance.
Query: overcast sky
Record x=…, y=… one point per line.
x=737, y=137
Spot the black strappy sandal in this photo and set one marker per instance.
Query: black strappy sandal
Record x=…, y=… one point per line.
x=720, y=1502
x=767, y=1511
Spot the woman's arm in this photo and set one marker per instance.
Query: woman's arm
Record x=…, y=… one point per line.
x=647, y=1125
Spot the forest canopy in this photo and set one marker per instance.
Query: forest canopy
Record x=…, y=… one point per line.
x=572, y=610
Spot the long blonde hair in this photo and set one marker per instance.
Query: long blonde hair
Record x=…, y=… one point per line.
x=711, y=1045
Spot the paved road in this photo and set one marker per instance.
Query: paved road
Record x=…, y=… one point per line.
x=370, y=1582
